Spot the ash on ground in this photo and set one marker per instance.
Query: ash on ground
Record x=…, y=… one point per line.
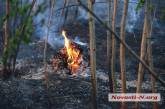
x=28, y=89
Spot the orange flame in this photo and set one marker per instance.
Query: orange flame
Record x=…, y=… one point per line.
x=74, y=56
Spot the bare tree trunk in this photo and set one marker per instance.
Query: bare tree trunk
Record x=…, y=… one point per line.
x=52, y=4
x=150, y=63
x=6, y=28
x=6, y=73
x=109, y=47
x=122, y=51
x=142, y=55
x=150, y=57
x=113, y=58
x=143, y=51
x=65, y=11
x=46, y=41
x=92, y=55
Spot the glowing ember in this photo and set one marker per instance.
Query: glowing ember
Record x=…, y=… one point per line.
x=74, y=56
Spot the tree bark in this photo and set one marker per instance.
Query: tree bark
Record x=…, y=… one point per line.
x=142, y=54
x=46, y=41
x=122, y=51
x=109, y=47
x=149, y=54
x=6, y=28
x=6, y=73
x=92, y=55
x=150, y=63
x=143, y=51
x=46, y=75
x=113, y=58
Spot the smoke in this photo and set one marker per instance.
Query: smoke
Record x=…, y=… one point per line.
x=100, y=8
x=83, y=14
x=133, y=15
x=41, y=20
x=78, y=41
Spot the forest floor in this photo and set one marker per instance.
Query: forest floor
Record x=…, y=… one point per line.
x=28, y=89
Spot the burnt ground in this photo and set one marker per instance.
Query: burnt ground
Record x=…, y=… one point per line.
x=64, y=93
x=28, y=90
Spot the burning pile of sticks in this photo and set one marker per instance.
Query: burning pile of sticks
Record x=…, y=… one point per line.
x=70, y=57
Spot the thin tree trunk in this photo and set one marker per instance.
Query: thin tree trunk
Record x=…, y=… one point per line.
x=142, y=52
x=6, y=72
x=65, y=12
x=122, y=51
x=113, y=58
x=150, y=57
x=109, y=47
x=6, y=28
x=52, y=3
x=22, y=29
x=150, y=63
x=142, y=55
x=46, y=41
x=92, y=55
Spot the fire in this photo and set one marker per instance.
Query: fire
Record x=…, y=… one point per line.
x=74, y=56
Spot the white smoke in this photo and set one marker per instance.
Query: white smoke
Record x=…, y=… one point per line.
x=78, y=41
x=100, y=8
x=133, y=15
x=83, y=14
x=55, y=39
